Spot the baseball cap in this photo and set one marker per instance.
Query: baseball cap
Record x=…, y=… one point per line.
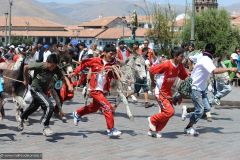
x=234, y=56
x=46, y=46
x=12, y=46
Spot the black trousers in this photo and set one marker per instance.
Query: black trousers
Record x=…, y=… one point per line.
x=40, y=99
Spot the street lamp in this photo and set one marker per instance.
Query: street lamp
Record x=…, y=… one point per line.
x=193, y=22
x=123, y=24
x=10, y=21
x=147, y=14
x=6, y=17
x=27, y=28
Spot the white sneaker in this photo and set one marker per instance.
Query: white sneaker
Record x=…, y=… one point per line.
x=64, y=119
x=26, y=122
x=151, y=126
x=84, y=91
x=154, y=134
x=114, y=133
x=47, y=131
x=191, y=131
x=134, y=99
x=217, y=101
x=76, y=118
x=20, y=125
x=184, y=112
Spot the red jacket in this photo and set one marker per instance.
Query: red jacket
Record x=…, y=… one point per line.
x=100, y=79
x=119, y=54
x=170, y=72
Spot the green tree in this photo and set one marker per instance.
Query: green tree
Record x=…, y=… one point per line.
x=162, y=32
x=20, y=40
x=213, y=26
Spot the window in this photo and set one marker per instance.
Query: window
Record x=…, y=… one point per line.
x=90, y=41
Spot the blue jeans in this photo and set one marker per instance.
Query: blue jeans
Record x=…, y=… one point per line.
x=201, y=104
x=222, y=89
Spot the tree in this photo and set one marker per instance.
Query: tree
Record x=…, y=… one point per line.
x=213, y=26
x=20, y=40
x=162, y=32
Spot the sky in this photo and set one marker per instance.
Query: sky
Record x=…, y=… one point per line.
x=221, y=2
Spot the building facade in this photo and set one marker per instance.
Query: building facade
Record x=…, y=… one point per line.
x=201, y=5
x=102, y=31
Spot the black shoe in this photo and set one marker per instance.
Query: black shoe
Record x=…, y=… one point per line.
x=147, y=105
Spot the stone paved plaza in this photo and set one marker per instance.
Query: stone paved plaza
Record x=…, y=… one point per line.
x=219, y=139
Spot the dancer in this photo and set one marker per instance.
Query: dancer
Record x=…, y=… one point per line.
x=170, y=70
x=200, y=75
x=43, y=75
x=99, y=84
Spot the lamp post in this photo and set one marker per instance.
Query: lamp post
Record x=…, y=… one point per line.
x=10, y=21
x=134, y=24
x=193, y=22
x=147, y=14
x=27, y=28
x=6, y=17
x=123, y=24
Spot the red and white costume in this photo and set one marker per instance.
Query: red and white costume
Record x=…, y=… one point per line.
x=123, y=56
x=167, y=74
x=99, y=83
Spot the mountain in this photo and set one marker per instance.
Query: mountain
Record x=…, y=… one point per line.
x=86, y=10
x=234, y=9
x=33, y=8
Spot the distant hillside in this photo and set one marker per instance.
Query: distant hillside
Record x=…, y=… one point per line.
x=33, y=8
x=86, y=9
x=235, y=8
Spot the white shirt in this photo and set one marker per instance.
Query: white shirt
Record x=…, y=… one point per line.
x=83, y=54
x=36, y=56
x=101, y=79
x=201, y=72
x=159, y=82
x=195, y=58
x=45, y=55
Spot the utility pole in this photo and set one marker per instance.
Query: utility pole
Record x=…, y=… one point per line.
x=27, y=28
x=123, y=24
x=6, y=17
x=10, y=21
x=193, y=22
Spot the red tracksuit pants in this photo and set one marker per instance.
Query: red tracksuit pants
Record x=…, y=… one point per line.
x=99, y=102
x=160, y=120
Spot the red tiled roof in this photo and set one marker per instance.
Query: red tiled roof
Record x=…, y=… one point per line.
x=33, y=21
x=116, y=33
x=69, y=28
x=41, y=33
x=82, y=33
x=87, y=32
x=236, y=22
x=180, y=23
x=141, y=19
